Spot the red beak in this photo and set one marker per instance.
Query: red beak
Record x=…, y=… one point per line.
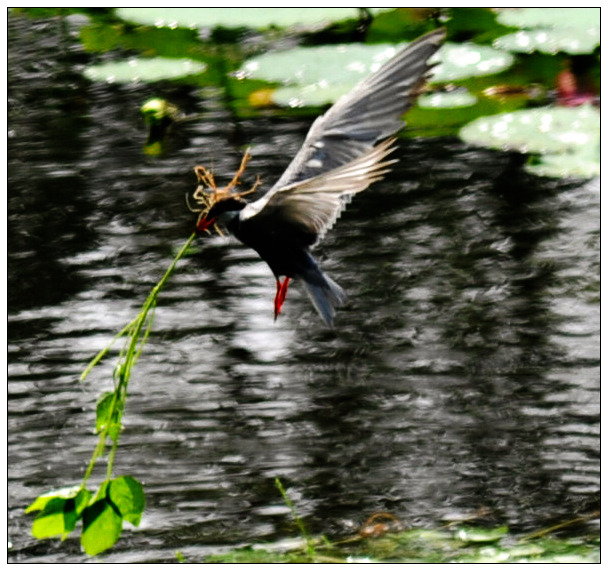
x=205, y=224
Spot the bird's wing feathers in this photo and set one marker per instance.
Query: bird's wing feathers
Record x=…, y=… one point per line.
x=338, y=157
x=372, y=111
x=311, y=207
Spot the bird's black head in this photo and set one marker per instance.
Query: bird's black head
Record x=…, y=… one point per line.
x=222, y=211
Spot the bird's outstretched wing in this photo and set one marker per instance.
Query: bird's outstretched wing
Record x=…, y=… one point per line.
x=306, y=210
x=372, y=111
x=338, y=157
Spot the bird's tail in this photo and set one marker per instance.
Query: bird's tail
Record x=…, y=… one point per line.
x=325, y=295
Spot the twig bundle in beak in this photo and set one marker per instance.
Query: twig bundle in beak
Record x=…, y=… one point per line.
x=207, y=194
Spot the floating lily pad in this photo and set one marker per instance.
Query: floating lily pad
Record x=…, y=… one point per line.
x=235, y=17
x=145, y=70
x=447, y=100
x=568, y=138
x=322, y=65
x=313, y=95
x=461, y=61
x=582, y=18
x=541, y=130
x=581, y=164
x=549, y=41
x=322, y=74
x=550, y=30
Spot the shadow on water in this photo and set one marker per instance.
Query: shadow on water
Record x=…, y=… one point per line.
x=463, y=372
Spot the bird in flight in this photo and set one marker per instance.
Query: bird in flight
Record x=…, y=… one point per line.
x=345, y=151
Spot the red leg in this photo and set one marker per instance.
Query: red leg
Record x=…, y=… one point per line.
x=280, y=296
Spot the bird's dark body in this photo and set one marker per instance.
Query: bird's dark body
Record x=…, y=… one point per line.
x=284, y=257
x=283, y=249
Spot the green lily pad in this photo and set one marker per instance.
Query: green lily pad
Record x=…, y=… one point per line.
x=550, y=30
x=144, y=70
x=323, y=65
x=313, y=95
x=549, y=41
x=583, y=164
x=582, y=18
x=541, y=130
x=235, y=17
x=567, y=138
x=447, y=100
x=461, y=61
x=320, y=75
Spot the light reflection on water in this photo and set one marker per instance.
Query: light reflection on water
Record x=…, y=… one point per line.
x=463, y=372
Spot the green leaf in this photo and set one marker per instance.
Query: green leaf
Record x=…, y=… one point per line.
x=127, y=494
x=81, y=501
x=101, y=493
x=549, y=41
x=51, y=521
x=320, y=75
x=442, y=100
x=144, y=70
x=567, y=138
x=580, y=164
x=63, y=493
x=460, y=61
x=104, y=415
x=104, y=405
x=550, y=30
x=60, y=511
x=235, y=17
x=481, y=535
x=58, y=517
x=101, y=527
x=580, y=18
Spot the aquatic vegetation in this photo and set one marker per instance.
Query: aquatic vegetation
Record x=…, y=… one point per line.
x=550, y=30
x=384, y=539
x=447, y=99
x=260, y=18
x=120, y=498
x=320, y=75
x=472, y=81
x=144, y=70
x=567, y=139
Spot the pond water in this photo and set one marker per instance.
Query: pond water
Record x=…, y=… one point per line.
x=463, y=373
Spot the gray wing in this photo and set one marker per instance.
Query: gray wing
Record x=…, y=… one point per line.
x=372, y=111
x=305, y=210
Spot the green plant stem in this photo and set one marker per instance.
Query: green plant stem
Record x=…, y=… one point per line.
x=105, y=350
x=310, y=549
x=127, y=360
x=553, y=528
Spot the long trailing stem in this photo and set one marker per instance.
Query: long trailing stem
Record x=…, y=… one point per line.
x=309, y=543
x=137, y=331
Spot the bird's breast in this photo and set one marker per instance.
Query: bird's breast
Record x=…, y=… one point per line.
x=280, y=248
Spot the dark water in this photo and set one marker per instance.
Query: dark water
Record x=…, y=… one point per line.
x=462, y=374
